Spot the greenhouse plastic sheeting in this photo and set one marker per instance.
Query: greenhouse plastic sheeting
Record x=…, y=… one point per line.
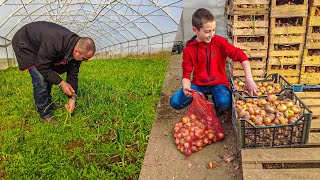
x=108, y=22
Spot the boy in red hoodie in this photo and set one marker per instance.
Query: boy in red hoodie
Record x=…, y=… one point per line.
x=205, y=55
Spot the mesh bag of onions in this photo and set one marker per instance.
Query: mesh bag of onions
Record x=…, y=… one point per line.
x=199, y=127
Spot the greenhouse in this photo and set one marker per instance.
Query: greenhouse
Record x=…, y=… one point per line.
x=159, y=89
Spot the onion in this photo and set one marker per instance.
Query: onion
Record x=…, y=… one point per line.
x=269, y=87
x=272, y=98
x=271, y=116
x=185, y=119
x=257, y=111
x=194, y=148
x=289, y=113
x=249, y=100
x=267, y=121
x=289, y=104
x=177, y=141
x=265, y=84
x=193, y=117
x=220, y=136
x=259, y=84
x=282, y=120
x=282, y=107
x=241, y=113
x=211, y=136
x=176, y=129
x=199, y=143
x=262, y=102
x=296, y=109
x=258, y=120
x=205, y=141
x=181, y=141
x=269, y=109
x=187, y=138
x=186, y=145
x=250, y=110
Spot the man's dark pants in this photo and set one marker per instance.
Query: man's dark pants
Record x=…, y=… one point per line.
x=42, y=93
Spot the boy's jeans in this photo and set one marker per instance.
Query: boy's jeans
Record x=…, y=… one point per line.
x=221, y=95
x=42, y=93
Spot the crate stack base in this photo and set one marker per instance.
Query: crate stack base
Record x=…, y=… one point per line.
x=247, y=26
x=281, y=163
x=310, y=70
x=312, y=100
x=287, y=36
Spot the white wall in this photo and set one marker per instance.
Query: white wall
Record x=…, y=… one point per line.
x=217, y=7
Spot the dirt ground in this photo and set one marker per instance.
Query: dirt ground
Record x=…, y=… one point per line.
x=164, y=161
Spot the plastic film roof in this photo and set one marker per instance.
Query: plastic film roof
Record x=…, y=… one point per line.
x=108, y=22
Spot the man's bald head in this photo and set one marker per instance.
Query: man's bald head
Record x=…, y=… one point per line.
x=84, y=49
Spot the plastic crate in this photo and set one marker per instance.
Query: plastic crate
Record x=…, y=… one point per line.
x=286, y=135
x=275, y=78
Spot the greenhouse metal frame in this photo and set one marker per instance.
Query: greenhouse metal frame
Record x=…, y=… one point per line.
x=118, y=27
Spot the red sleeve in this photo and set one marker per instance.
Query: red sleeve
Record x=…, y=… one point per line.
x=236, y=54
x=187, y=65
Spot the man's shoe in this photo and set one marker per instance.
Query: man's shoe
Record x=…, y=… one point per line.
x=49, y=120
x=55, y=106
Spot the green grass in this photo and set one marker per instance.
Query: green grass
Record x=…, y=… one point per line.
x=105, y=138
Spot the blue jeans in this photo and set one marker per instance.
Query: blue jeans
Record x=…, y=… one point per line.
x=221, y=96
x=41, y=93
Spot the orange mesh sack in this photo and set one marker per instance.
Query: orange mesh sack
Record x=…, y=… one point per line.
x=199, y=127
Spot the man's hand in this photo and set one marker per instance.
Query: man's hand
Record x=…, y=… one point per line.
x=67, y=88
x=251, y=86
x=71, y=105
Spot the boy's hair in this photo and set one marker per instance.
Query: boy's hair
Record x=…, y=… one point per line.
x=201, y=16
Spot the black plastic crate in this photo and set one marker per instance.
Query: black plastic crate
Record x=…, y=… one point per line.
x=286, y=135
x=275, y=78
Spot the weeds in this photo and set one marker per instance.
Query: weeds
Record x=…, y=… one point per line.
x=106, y=136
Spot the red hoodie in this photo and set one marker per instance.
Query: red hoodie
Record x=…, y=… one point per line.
x=208, y=60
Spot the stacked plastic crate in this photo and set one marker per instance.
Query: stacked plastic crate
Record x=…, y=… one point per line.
x=288, y=19
x=310, y=70
x=247, y=26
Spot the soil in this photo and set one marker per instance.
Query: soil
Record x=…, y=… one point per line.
x=163, y=160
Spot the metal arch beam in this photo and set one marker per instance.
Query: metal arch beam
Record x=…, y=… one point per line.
x=130, y=21
x=114, y=29
x=144, y=17
x=76, y=3
x=53, y=10
x=14, y=13
x=166, y=11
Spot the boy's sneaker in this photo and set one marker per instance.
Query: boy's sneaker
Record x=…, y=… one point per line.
x=49, y=120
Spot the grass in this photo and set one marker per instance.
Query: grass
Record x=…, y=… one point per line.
x=105, y=138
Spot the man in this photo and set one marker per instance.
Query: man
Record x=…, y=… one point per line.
x=47, y=50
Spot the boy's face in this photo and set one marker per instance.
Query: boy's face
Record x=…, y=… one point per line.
x=205, y=33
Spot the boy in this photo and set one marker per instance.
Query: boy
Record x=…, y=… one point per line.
x=205, y=55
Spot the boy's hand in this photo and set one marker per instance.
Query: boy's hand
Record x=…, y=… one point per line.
x=186, y=91
x=251, y=86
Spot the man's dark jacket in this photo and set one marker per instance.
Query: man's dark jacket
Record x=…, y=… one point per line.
x=48, y=47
